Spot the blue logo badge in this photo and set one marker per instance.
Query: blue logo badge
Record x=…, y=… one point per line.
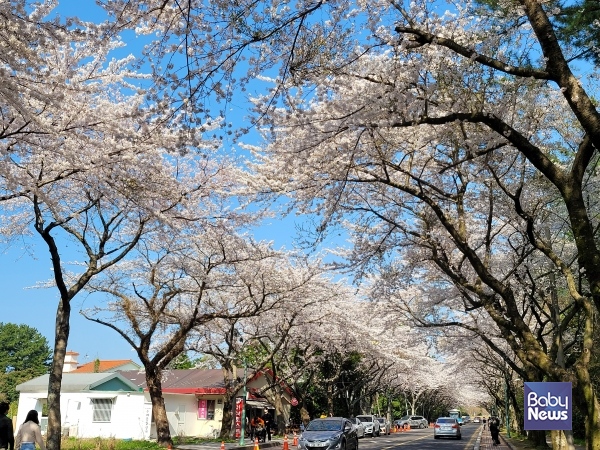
x=548, y=406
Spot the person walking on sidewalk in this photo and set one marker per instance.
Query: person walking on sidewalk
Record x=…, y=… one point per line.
x=7, y=434
x=268, y=418
x=495, y=430
x=29, y=433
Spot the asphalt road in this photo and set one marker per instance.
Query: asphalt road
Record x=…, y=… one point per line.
x=421, y=440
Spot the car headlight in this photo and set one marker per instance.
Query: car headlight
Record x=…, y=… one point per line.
x=335, y=438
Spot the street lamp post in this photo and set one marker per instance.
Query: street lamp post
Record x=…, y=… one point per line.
x=244, y=405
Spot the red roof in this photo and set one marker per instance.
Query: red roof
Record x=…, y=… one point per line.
x=104, y=366
x=184, y=381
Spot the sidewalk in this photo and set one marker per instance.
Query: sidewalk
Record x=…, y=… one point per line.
x=278, y=443
x=484, y=442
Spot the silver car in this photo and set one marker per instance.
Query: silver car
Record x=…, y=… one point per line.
x=413, y=421
x=371, y=424
x=331, y=433
x=446, y=427
x=360, y=428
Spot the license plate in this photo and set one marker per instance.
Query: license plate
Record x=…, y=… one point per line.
x=446, y=428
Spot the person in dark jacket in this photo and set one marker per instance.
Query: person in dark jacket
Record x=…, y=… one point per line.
x=268, y=418
x=7, y=433
x=494, y=425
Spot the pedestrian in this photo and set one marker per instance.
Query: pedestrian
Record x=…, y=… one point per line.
x=29, y=433
x=301, y=427
x=268, y=418
x=484, y=423
x=7, y=434
x=494, y=426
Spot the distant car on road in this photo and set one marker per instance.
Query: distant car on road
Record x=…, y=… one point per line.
x=476, y=420
x=329, y=433
x=447, y=427
x=413, y=421
x=360, y=428
x=371, y=424
x=384, y=425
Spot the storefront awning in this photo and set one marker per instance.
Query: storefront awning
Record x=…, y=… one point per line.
x=259, y=404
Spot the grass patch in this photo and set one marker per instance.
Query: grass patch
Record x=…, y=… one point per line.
x=99, y=443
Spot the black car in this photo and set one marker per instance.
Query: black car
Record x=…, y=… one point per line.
x=331, y=433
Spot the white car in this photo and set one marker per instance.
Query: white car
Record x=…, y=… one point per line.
x=371, y=424
x=360, y=428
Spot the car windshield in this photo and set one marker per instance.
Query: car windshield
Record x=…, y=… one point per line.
x=446, y=420
x=325, y=425
x=381, y=420
x=363, y=418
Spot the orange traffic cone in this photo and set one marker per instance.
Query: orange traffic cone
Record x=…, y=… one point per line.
x=409, y=427
x=256, y=444
x=285, y=443
x=295, y=443
x=222, y=445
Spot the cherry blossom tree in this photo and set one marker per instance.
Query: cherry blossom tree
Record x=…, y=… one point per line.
x=85, y=158
x=435, y=148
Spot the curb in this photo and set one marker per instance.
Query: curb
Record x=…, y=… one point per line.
x=228, y=446
x=508, y=444
x=478, y=441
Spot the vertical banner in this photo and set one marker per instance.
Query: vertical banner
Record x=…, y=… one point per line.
x=202, y=409
x=147, y=420
x=548, y=406
x=239, y=407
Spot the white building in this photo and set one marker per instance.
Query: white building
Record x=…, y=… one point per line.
x=117, y=404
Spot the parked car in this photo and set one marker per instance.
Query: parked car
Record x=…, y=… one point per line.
x=329, y=433
x=413, y=421
x=447, y=427
x=371, y=424
x=360, y=428
x=384, y=425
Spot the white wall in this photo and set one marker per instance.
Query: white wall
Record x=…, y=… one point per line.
x=127, y=418
x=188, y=423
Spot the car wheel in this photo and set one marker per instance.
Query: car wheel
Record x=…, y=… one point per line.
x=436, y=437
x=459, y=437
x=356, y=446
x=421, y=426
x=379, y=432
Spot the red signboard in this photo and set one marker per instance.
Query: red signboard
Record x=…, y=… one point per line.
x=239, y=407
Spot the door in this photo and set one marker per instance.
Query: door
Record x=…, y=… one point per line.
x=180, y=415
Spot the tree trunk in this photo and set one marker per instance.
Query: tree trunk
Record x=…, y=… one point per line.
x=61, y=338
x=163, y=433
x=329, y=399
x=537, y=438
x=227, y=430
x=585, y=389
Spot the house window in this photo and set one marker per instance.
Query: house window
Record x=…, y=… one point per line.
x=210, y=409
x=206, y=409
x=102, y=409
